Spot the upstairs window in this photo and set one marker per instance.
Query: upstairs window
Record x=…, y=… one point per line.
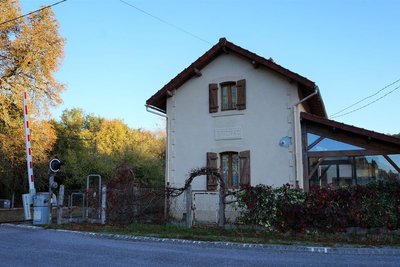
x=228, y=96
x=232, y=94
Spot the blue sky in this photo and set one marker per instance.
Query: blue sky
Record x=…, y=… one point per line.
x=117, y=57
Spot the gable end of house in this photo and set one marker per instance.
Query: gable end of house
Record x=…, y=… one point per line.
x=305, y=87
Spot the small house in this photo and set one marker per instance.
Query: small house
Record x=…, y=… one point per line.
x=260, y=123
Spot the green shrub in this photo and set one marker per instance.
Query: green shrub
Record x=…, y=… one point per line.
x=263, y=205
x=324, y=209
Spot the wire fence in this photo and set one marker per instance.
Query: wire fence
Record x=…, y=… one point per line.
x=136, y=204
x=132, y=203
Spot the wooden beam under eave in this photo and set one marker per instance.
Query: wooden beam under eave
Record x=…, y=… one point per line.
x=343, y=153
x=169, y=93
x=197, y=72
x=255, y=64
x=225, y=49
x=315, y=142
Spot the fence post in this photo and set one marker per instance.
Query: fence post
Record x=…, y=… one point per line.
x=103, y=204
x=60, y=204
x=135, y=206
x=189, y=216
x=221, y=210
x=49, y=203
x=166, y=203
x=12, y=200
x=26, y=202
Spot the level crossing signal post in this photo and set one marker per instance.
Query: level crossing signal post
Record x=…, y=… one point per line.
x=54, y=167
x=41, y=201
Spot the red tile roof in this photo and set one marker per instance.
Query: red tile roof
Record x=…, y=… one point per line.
x=305, y=86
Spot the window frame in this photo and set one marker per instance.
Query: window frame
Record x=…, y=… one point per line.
x=229, y=87
x=229, y=179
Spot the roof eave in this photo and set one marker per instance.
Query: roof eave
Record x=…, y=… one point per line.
x=223, y=46
x=350, y=128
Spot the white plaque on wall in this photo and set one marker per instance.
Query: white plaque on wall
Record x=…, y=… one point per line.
x=228, y=133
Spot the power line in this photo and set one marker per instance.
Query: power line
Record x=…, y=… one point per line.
x=365, y=98
x=370, y=103
x=167, y=23
x=7, y=21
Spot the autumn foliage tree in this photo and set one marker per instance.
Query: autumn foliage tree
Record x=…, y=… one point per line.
x=31, y=51
x=89, y=144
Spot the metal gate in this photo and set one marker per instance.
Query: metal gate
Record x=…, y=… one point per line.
x=205, y=207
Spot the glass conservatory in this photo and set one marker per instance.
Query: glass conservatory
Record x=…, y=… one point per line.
x=337, y=154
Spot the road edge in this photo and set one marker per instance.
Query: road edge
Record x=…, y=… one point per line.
x=345, y=249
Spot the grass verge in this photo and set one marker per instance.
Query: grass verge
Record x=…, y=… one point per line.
x=242, y=235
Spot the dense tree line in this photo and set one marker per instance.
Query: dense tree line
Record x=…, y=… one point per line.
x=89, y=144
x=86, y=144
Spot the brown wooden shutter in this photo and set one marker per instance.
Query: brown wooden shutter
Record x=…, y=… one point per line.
x=212, y=182
x=244, y=163
x=213, y=97
x=241, y=97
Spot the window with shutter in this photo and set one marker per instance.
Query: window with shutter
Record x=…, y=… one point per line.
x=235, y=169
x=244, y=163
x=228, y=96
x=230, y=169
x=213, y=97
x=233, y=95
x=241, y=94
x=212, y=182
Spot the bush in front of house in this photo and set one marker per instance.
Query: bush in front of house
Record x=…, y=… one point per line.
x=266, y=206
x=325, y=209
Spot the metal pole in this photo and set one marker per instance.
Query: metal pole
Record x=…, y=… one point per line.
x=99, y=205
x=60, y=204
x=166, y=202
x=221, y=210
x=98, y=192
x=103, y=204
x=297, y=142
x=189, y=217
x=51, y=181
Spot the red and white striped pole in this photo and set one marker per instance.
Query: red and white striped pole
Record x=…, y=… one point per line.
x=31, y=179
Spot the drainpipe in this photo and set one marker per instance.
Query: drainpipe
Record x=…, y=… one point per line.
x=160, y=112
x=298, y=154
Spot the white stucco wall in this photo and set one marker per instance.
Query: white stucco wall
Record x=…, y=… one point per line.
x=267, y=118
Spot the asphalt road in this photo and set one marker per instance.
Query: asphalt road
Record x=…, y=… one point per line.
x=38, y=247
